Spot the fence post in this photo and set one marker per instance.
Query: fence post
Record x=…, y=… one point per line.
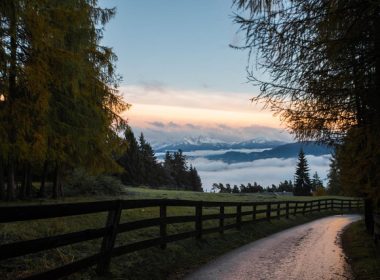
x=221, y=220
x=287, y=210
x=332, y=204
x=304, y=208
x=254, y=212
x=326, y=208
x=268, y=211
x=238, y=216
x=278, y=210
x=319, y=206
x=341, y=206
x=108, y=242
x=198, y=220
x=349, y=205
x=295, y=209
x=163, y=225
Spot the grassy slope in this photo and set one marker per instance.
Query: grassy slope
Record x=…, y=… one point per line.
x=361, y=251
x=147, y=264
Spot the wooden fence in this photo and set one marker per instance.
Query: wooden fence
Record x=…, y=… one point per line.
x=257, y=211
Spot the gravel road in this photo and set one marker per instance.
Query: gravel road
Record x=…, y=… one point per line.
x=309, y=251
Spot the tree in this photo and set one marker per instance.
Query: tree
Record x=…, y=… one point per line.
x=322, y=60
x=195, y=180
x=302, y=184
x=131, y=160
x=333, y=184
x=286, y=186
x=235, y=189
x=316, y=182
x=59, y=103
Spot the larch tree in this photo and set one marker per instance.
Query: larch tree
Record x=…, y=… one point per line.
x=322, y=65
x=58, y=100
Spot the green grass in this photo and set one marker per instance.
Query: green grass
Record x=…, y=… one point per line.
x=361, y=251
x=151, y=263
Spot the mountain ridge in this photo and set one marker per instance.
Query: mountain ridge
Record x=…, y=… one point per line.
x=288, y=150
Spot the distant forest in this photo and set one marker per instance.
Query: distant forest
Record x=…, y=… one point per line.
x=303, y=185
x=141, y=167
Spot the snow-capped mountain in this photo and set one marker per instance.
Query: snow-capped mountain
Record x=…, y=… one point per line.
x=207, y=143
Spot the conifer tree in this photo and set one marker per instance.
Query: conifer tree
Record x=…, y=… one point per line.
x=195, y=180
x=302, y=184
x=130, y=160
x=316, y=182
x=334, y=185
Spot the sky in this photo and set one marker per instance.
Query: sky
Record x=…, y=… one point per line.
x=184, y=80
x=180, y=74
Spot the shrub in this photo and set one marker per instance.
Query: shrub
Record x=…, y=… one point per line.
x=81, y=183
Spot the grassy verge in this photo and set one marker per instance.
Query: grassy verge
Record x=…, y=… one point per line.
x=361, y=251
x=154, y=263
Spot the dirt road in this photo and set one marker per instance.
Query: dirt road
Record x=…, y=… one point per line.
x=309, y=251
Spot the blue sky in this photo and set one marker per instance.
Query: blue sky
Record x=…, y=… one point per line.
x=181, y=44
x=178, y=68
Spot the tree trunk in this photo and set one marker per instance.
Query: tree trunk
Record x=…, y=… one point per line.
x=368, y=215
x=21, y=193
x=11, y=99
x=11, y=180
x=28, y=181
x=42, y=192
x=2, y=181
x=56, y=182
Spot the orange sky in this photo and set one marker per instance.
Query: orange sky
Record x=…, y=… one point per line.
x=155, y=103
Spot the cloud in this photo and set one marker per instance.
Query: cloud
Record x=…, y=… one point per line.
x=153, y=86
x=265, y=171
x=173, y=125
x=156, y=93
x=157, y=124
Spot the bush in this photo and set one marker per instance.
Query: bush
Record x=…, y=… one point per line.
x=320, y=191
x=82, y=183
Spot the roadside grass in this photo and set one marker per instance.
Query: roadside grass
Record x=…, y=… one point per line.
x=361, y=251
x=148, y=193
x=153, y=263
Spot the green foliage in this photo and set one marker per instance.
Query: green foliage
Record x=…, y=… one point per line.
x=141, y=167
x=81, y=183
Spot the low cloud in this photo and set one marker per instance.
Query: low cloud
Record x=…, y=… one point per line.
x=265, y=171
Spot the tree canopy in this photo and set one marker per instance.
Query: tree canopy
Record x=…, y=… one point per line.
x=59, y=105
x=321, y=65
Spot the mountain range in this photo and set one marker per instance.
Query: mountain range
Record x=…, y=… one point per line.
x=206, y=143
x=289, y=150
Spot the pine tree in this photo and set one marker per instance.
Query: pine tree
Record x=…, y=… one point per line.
x=334, y=185
x=130, y=160
x=195, y=180
x=316, y=182
x=302, y=185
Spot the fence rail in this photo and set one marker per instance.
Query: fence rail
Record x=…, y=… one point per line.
x=113, y=226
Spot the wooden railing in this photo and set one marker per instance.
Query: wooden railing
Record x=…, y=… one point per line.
x=258, y=211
